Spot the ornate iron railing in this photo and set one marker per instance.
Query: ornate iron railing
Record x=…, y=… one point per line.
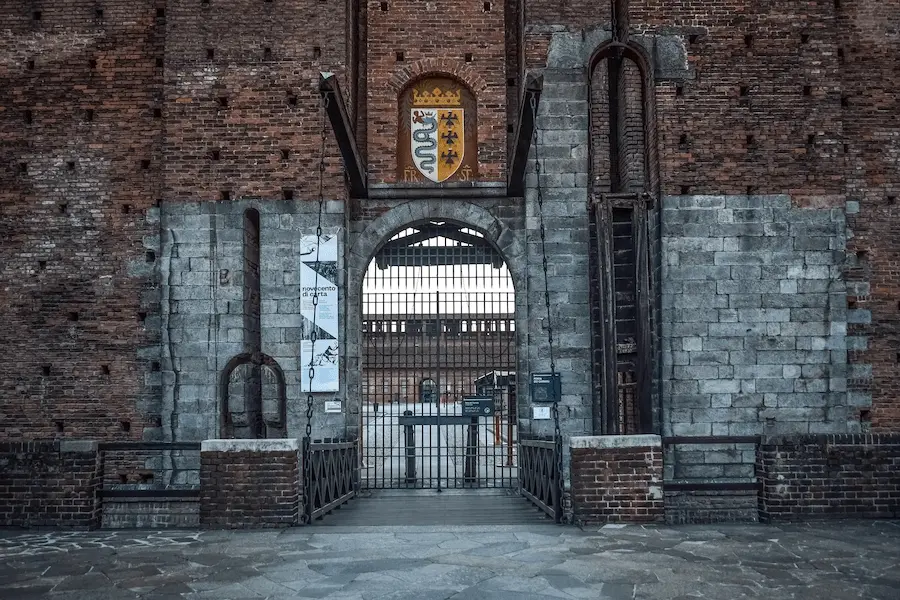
x=540, y=476
x=332, y=479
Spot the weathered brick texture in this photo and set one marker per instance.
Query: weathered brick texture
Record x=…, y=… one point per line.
x=49, y=484
x=463, y=39
x=829, y=476
x=617, y=484
x=250, y=488
x=80, y=171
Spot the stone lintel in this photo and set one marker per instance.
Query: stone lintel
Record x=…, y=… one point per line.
x=600, y=442
x=77, y=446
x=284, y=445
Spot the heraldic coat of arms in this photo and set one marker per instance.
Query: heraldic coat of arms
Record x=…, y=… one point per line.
x=437, y=132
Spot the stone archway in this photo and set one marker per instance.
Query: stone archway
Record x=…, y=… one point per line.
x=508, y=243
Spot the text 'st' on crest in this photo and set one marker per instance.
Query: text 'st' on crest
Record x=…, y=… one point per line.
x=437, y=138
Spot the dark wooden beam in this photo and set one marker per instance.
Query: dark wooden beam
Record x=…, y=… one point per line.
x=524, y=135
x=343, y=131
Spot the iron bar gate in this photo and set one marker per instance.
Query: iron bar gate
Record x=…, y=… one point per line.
x=438, y=328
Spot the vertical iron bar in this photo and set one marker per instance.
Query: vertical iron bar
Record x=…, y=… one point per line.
x=437, y=302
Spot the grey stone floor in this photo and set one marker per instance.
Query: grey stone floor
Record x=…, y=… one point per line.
x=829, y=561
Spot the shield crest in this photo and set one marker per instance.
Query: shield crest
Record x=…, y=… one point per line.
x=437, y=141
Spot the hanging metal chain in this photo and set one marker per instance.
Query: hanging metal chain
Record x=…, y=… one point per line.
x=614, y=21
x=557, y=434
x=314, y=334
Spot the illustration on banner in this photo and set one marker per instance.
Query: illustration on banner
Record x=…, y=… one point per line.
x=319, y=279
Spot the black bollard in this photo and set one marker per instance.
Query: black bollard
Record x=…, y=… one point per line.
x=410, y=450
x=470, y=472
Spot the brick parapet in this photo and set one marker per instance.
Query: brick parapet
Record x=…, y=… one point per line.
x=614, y=483
x=242, y=488
x=49, y=483
x=829, y=476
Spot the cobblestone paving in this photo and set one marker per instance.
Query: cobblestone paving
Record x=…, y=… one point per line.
x=823, y=561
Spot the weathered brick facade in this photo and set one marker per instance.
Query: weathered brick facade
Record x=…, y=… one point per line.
x=135, y=136
x=248, y=483
x=49, y=484
x=829, y=476
x=617, y=479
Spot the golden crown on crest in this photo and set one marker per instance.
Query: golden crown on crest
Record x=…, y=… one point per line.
x=436, y=97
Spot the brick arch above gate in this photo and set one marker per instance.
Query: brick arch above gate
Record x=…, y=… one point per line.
x=437, y=67
x=409, y=214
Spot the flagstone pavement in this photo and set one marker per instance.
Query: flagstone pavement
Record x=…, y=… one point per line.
x=822, y=561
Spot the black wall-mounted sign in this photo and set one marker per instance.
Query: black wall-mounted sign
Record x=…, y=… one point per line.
x=477, y=406
x=545, y=387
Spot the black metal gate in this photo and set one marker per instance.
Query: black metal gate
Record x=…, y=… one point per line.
x=439, y=394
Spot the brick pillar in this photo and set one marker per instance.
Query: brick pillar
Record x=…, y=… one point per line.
x=250, y=483
x=617, y=479
x=78, y=500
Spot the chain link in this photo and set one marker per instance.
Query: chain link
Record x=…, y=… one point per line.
x=314, y=334
x=614, y=21
x=557, y=433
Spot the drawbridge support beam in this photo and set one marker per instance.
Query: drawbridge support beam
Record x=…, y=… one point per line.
x=524, y=134
x=343, y=131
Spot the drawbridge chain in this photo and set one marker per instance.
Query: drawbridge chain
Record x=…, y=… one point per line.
x=313, y=336
x=557, y=433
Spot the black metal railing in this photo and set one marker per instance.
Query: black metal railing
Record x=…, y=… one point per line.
x=712, y=463
x=333, y=475
x=540, y=477
x=149, y=469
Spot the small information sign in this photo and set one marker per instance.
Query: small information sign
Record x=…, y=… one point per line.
x=477, y=406
x=545, y=387
x=541, y=413
x=332, y=406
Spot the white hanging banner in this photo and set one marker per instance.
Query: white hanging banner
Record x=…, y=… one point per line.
x=321, y=277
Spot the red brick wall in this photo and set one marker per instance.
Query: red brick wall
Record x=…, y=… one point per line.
x=272, y=97
x=44, y=484
x=250, y=489
x=74, y=196
x=869, y=37
x=829, y=476
x=612, y=485
x=435, y=37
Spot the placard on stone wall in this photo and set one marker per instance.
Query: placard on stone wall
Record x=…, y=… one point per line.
x=319, y=275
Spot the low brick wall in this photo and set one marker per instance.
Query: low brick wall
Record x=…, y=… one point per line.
x=823, y=476
x=250, y=483
x=151, y=513
x=617, y=479
x=50, y=483
x=719, y=506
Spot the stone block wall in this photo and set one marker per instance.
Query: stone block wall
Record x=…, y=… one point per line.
x=829, y=476
x=250, y=483
x=202, y=310
x=617, y=479
x=754, y=317
x=52, y=483
x=721, y=463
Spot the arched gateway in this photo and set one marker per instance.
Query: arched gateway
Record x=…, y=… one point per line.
x=438, y=342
